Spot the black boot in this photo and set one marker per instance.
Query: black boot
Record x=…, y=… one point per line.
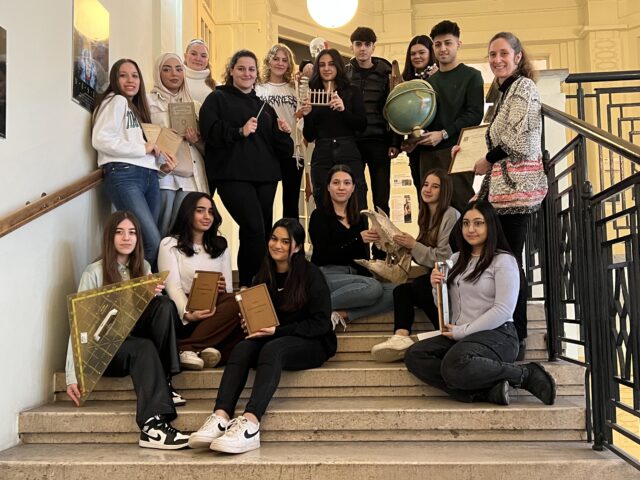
x=499, y=393
x=539, y=383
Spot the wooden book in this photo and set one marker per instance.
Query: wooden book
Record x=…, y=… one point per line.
x=165, y=139
x=181, y=116
x=204, y=291
x=256, y=308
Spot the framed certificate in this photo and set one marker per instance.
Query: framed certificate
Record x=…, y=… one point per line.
x=473, y=146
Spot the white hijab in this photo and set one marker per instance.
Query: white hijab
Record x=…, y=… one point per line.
x=163, y=94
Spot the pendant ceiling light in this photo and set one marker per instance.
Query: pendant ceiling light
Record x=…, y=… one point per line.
x=332, y=13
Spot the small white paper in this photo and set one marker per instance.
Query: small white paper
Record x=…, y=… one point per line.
x=425, y=335
x=84, y=337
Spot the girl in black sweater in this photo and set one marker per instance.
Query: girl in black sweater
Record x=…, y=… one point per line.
x=304, y=339
x=339, y=235
x=333, y=127
x=245, y=141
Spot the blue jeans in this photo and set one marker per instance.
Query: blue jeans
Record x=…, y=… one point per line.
x=170, y=201
x=360, y=296
x=136, y=189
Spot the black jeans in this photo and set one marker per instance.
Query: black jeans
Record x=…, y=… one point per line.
x=375, y=155
x=468, y=368
x=291, y=180
x=462, y=182
x=250, y=204
x=333, y=151
x=415, y=294
x=515, y=229
x=269, y=357
x=150, y=355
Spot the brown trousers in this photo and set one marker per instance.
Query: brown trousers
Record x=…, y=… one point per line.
x=221, y=331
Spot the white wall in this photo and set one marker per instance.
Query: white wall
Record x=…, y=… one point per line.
x=47, y=147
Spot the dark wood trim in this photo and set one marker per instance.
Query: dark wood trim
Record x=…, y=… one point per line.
x=31, y=211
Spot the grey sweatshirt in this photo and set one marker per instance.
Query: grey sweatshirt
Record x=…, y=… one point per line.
x=489, y=301
x=427, y=256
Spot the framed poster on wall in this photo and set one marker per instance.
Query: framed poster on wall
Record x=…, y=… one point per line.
x=90, y=51
x=3, y=83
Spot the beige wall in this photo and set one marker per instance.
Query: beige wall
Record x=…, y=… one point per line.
x=48, y=146
x=581, y=35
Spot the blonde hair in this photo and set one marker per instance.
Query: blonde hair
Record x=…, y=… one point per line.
x=209, y=81
x=266, y=63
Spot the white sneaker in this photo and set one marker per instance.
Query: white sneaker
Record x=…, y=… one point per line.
x=210, y=356
x=159, y=434
x=392, y=349
x=191, y=360
x=336, y=319
x=241, y=436
x=215, y=426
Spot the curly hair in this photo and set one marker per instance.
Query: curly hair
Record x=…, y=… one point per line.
x=266, y=63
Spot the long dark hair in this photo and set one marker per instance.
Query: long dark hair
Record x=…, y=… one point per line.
x=228, y=79
x=109, y=255
x=352, y=210
x=182, y=229
x=342, y=81
x=138, y=104
x=409, y=72
x=496, y=242
x=430, y=227
x=294, y=289
x=525, y=67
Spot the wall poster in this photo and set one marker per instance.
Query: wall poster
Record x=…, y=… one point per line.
x=3, y=83
x=90, y=51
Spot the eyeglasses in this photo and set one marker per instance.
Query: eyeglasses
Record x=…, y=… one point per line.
x=475, y=223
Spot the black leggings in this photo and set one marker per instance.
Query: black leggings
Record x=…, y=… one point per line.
x=269, y=358
x=415, y=294
x=291, y=181
x=250, y=204
x=515, y=229
x=150, y=355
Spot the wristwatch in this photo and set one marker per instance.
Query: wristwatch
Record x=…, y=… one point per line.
x=241, y=132
x=445, y=135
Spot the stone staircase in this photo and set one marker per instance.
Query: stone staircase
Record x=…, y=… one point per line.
x=352, y=417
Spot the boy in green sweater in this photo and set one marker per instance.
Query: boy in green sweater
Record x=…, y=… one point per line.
x=460, y=104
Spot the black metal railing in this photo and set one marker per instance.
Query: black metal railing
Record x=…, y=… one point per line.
x=590, y=272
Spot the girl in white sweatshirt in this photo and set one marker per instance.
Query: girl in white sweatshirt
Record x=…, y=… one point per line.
x=130, y=163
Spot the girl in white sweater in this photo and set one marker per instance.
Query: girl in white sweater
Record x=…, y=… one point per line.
x=130, y=163
x=189, y=176
x=198, y=70
x=205, y=337
x=277, y=89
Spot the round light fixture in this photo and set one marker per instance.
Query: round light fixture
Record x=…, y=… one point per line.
x=332, y=13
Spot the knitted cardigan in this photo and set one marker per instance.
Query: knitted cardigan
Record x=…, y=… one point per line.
x=516, y=184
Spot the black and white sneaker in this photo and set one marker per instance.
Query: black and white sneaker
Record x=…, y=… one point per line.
x=178, y=400
x=241, y=436
x=157, y=433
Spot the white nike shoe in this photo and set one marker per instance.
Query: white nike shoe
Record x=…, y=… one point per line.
x=214, y=426
x=241, y=436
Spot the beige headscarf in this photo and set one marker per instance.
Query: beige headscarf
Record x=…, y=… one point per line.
x=164, y=95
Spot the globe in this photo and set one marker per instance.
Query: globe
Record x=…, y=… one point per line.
x=410, y=107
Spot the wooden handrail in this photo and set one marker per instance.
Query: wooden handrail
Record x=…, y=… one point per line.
x=47, y=203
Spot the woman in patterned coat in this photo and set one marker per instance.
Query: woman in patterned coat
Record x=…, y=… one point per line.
x=515, y=182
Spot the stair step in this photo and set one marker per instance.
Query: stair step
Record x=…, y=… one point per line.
x=362, y=342
x=328, y=419
x=320, y=461
x=334, y=379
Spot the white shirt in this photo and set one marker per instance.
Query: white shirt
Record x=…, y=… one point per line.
x=117, y=135
x=182, y=268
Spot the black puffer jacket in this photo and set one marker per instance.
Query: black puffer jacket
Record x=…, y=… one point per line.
x=374, y=85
